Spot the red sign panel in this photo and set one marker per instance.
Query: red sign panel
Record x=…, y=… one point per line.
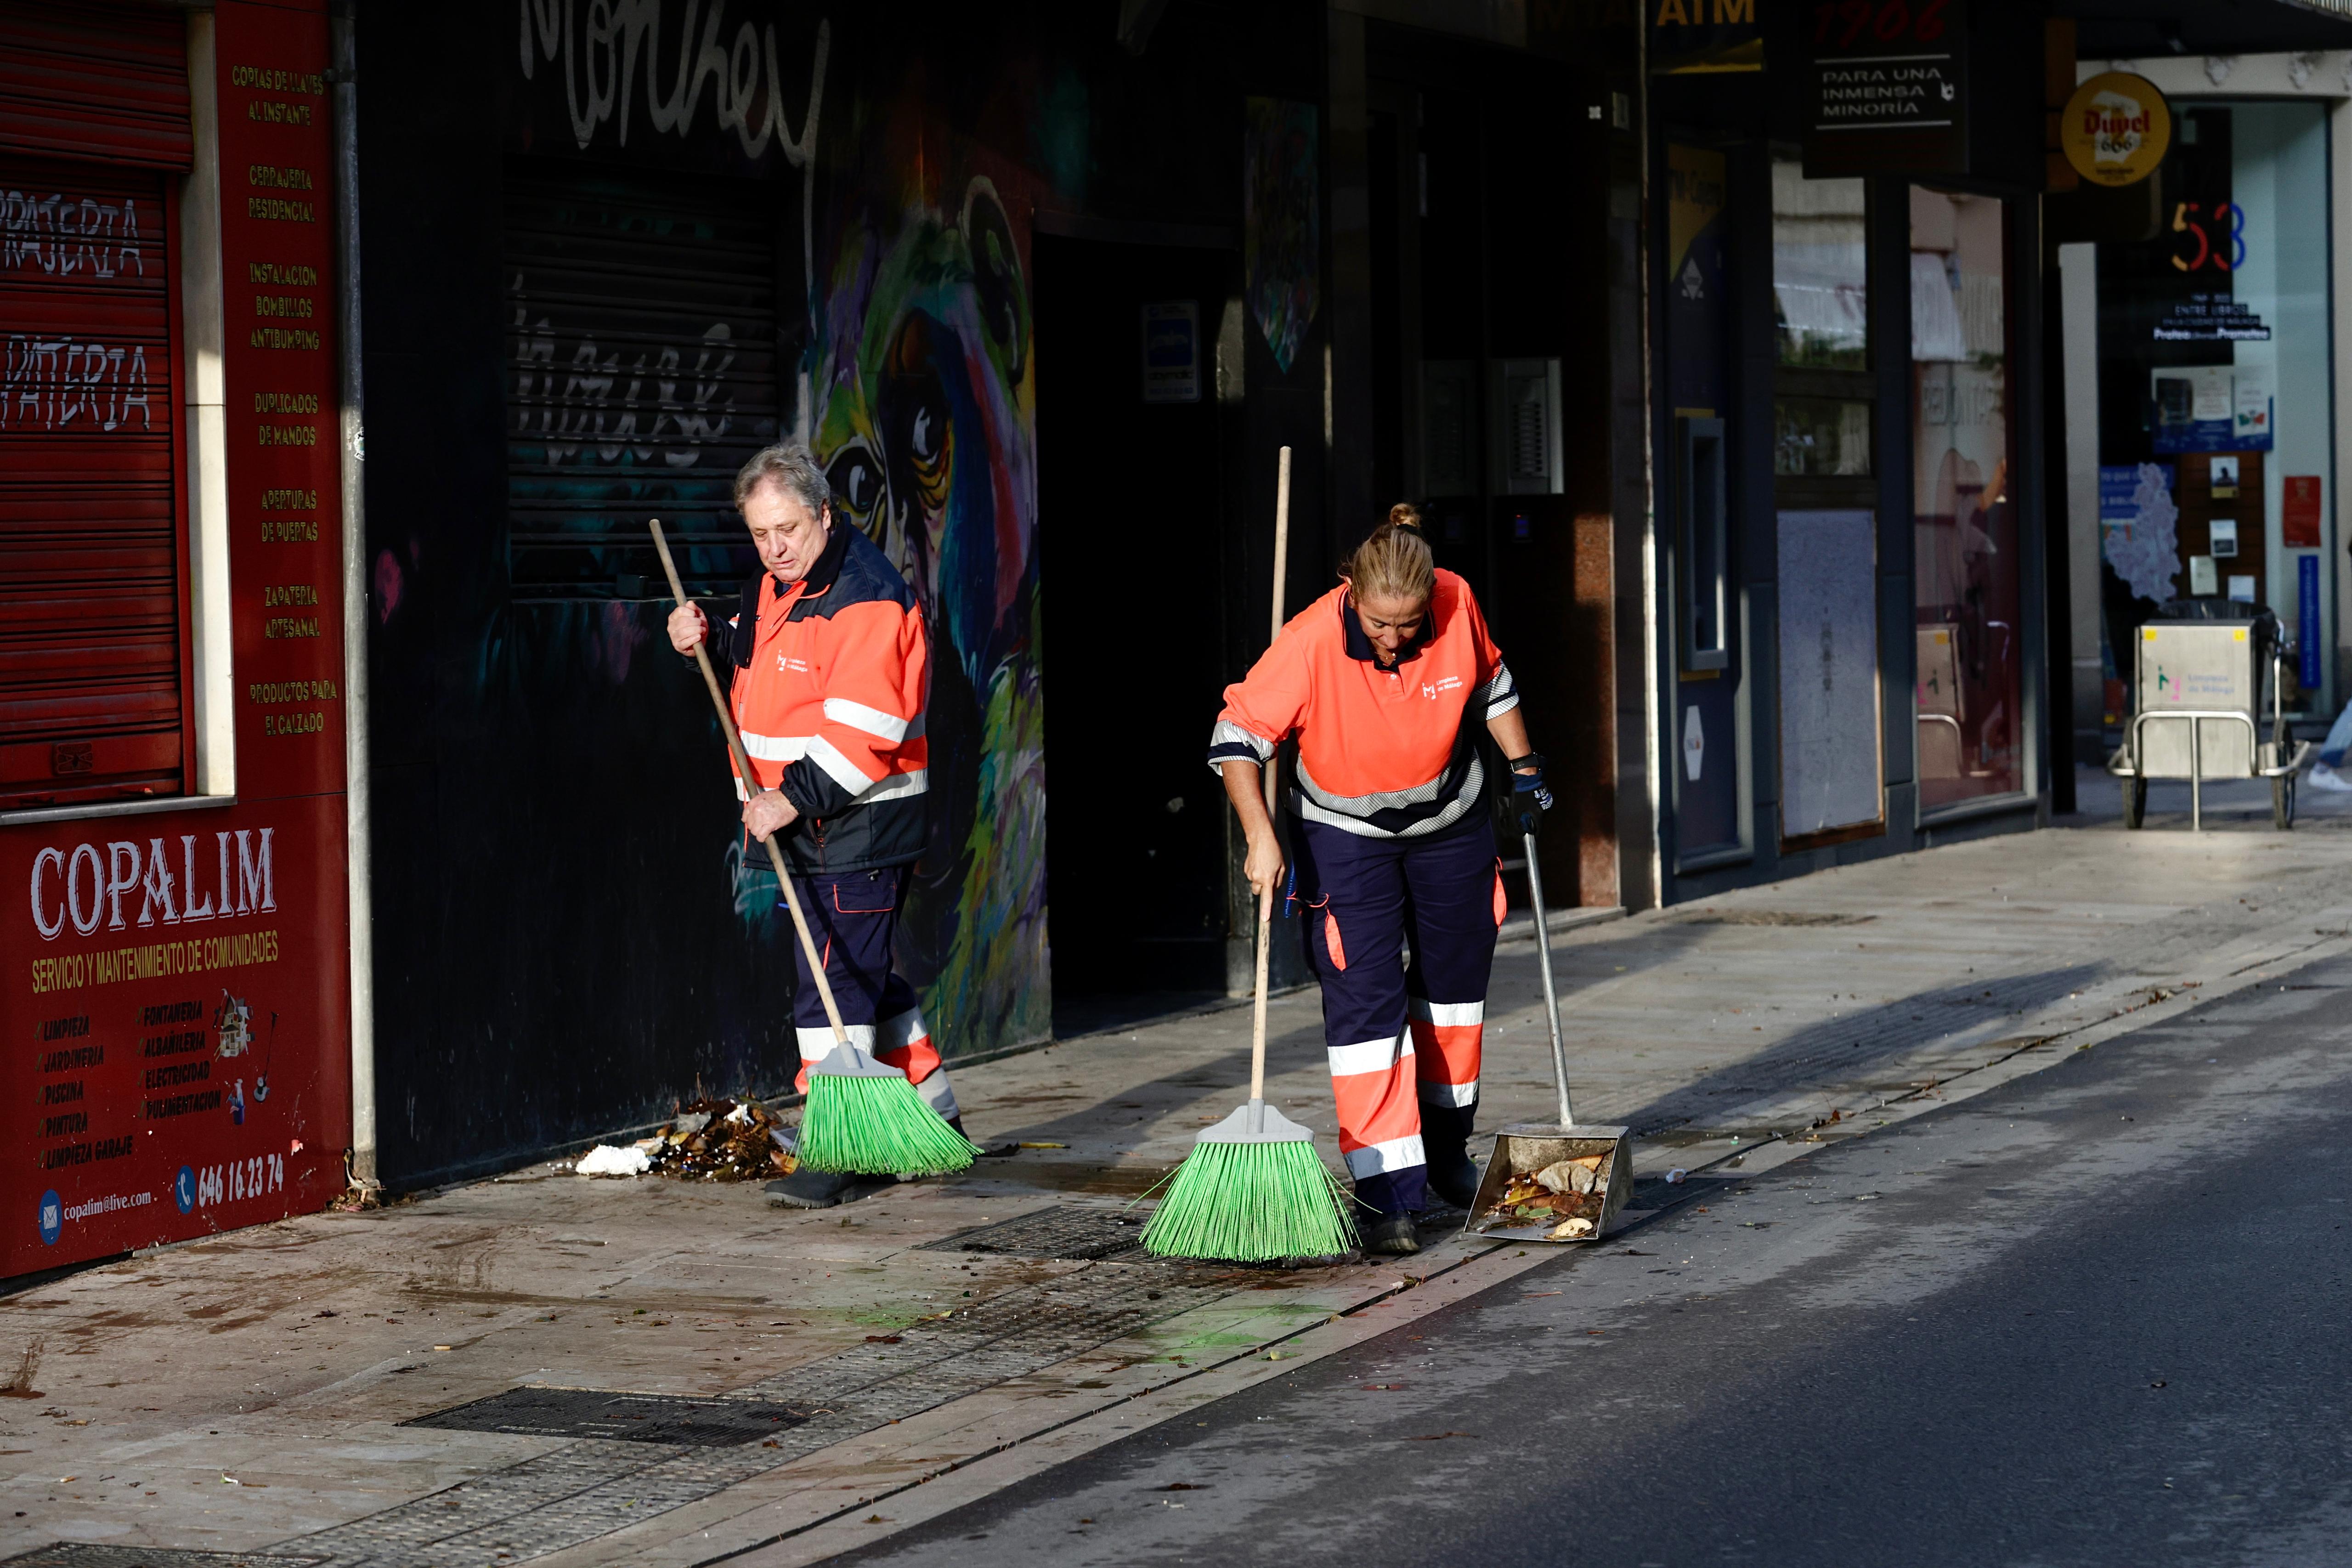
x=175, y=990
x=2299, y=512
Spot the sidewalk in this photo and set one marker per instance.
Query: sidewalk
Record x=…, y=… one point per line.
x=799, y=1384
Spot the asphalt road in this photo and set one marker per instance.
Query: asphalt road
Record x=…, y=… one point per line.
x=2097, y=1317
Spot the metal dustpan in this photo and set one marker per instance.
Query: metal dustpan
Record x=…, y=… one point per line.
x=1551, y=1181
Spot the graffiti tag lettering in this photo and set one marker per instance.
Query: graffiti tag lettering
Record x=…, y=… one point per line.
x=48, y=383
x=598, y=64
x=64, y=234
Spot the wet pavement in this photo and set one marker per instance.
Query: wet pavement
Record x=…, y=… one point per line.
x=261, y=1390
x=2091, y=1318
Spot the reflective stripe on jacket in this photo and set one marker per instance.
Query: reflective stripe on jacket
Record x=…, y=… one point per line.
x=832, y=674
x=1386, y=752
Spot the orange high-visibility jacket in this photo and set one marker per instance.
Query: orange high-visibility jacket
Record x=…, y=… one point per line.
x=831, y=675
x=1387, y=753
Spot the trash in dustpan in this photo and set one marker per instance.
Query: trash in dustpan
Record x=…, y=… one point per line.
x=1552, y=1183
x=1556, y=1180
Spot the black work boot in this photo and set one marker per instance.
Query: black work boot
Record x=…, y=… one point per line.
x=807, y=1189
x=1445, y=1137
x=1390, y=1233
x=1451, y=1175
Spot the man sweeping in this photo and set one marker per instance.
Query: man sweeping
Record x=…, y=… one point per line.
x=830, y=660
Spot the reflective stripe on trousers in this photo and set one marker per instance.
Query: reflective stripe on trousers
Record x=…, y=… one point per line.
x=1403, y=1041
x=852, y=918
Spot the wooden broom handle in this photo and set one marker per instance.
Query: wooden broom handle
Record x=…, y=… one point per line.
x=1273, y=765
x=751, y=783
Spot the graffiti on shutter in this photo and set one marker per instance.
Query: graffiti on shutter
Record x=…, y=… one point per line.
x=643, y=370
x=90, y=699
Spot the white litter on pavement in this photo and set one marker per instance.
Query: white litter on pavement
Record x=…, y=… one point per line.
x=605, y=1160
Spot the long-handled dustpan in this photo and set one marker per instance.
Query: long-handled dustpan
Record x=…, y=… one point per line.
x=1552, y=1181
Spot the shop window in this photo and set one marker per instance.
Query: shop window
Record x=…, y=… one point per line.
x=1821, y=296
x=2216, y=401
x=1966, y=561
x=1824, y=400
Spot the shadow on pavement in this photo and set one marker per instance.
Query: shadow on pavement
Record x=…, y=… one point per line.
x=1834, y=1050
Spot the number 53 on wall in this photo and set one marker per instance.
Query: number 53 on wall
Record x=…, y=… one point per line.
x=2220, y=240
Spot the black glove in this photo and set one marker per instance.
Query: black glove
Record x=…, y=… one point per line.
x=1530, y=796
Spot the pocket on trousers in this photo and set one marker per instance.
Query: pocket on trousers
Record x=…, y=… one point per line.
x=1331, y=943
x=1502, y=904
x=875, y=893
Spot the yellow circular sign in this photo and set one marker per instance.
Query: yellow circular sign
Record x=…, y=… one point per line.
x=2116, y=129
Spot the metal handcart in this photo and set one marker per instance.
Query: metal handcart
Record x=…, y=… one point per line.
x=2198, y=708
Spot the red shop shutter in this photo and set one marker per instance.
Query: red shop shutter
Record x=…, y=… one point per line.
x=90, y=537
x=107, y=82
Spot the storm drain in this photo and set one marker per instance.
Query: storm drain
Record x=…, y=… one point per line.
x=82, y=1555
x=629, y=1417
x=598, y=1484
x=1067, y=1231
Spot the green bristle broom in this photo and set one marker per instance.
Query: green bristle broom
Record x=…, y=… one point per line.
x=862, y=1116
x=1254, y=1190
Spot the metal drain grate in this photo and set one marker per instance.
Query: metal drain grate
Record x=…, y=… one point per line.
x=570, y=1413
x=580, y=1492
x=84, y=1554
x=1067, y=1231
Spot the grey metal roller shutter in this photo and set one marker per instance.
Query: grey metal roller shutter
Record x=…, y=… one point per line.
x=643, y=369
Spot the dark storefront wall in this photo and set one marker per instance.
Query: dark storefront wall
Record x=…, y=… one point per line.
x=1490, y=179
x=1792, y=732
x=569, y=335
x=1130, y=511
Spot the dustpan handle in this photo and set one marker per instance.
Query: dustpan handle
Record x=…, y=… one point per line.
x=1551, y=990
x=751, y=782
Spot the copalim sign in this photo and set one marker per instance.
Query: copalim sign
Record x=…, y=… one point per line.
x=120, y=886
x=2116, y=129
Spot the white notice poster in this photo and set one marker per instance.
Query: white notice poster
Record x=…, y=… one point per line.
x=2253, y=400
x=1829, y=671
x=2210, y=386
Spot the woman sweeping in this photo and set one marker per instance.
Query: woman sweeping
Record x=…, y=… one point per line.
x=1384, y=681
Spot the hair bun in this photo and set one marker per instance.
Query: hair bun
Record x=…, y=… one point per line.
x=1403, y=515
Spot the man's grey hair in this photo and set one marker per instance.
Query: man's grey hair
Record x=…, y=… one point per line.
x=792, y=468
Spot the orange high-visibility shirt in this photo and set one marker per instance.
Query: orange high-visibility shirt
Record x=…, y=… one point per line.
x=829, y=692
x=1386, y=753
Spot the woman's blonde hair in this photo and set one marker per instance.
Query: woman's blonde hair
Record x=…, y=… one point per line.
x=1394, y=561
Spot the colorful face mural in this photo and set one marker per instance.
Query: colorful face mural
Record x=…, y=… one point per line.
x=922, y=408
x=1282, y=242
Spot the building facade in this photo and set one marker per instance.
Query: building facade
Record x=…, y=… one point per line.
x=372, y=832
x=172, y=715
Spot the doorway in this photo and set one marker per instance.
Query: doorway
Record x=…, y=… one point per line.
x=1129, y=503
